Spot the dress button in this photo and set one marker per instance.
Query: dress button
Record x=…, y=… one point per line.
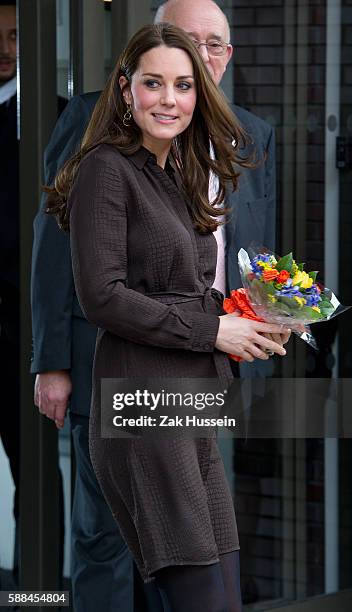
x=206, y=347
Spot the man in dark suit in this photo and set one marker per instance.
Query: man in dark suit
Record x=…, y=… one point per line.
x=64, y=341
x=9, y=257
x=9, y=249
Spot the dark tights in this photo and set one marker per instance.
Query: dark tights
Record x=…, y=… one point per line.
x=202, y=588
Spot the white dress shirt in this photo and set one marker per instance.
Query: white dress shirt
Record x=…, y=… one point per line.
x=8, y=90
x=220, y=275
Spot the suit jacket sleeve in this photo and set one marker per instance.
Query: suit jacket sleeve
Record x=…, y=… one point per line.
x=98, y=229
x=52, y=288
x=254, y=213
x=270, y=189
x=253, y=205
x=259, y=368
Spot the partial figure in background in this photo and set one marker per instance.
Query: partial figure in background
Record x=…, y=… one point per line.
x=9, y=252
x=10, y=258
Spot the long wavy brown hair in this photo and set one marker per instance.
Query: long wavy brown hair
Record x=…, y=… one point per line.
x=212, y=122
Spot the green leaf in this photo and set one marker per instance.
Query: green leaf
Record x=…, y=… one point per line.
x=313, y=275
x=300, y=266
x=324, y=303
x=309, y=313
x=327, y=310
x=283, y=307
x=269, y=289
x=290, y=302
x=285, y=263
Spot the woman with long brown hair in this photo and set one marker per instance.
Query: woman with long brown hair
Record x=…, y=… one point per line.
x=135, y=198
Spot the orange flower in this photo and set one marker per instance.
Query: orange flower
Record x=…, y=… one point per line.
x=229, y=306
x=239, y=301
x=283, y=276
x=269, y=275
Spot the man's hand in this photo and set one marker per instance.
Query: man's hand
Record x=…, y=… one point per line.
x=51, y=394
x=281, y=338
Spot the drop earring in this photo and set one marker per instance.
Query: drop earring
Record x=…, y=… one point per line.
x=127, y=116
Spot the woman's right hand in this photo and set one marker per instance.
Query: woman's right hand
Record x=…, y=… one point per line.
x=243, y=337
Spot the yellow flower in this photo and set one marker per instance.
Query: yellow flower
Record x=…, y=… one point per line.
x=294, y=268
x=307, y=282
x=303, y=278
x=300, y=300
x=316, y=308
x=272, y=298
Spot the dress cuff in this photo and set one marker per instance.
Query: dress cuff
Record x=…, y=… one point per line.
x=204, y=332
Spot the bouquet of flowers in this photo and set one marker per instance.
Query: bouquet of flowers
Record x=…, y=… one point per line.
x=278, y=290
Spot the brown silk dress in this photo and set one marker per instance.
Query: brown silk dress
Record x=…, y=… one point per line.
x=143, y=275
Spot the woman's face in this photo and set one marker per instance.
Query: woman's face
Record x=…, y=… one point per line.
x=162, y=94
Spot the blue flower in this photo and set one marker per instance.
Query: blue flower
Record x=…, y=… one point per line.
x=313, y=290
x=312, y=299
x=312, y=296
x=289, y=292
x=260, y=257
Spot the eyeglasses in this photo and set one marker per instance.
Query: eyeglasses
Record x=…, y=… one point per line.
x=214, y=47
